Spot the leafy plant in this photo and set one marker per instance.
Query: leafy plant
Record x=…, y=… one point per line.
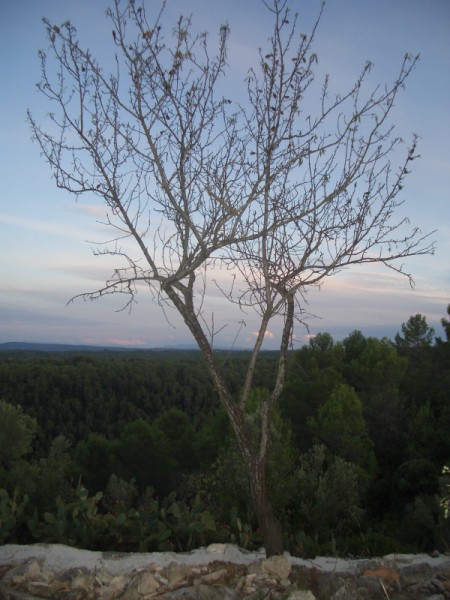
x=12, y=512
x=445, y=500
x=327, y=502
x=73, y=522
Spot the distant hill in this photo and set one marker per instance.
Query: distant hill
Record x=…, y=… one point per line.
x=37, y=347
x=46, y=347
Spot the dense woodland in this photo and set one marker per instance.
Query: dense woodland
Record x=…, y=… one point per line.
x=132, y=451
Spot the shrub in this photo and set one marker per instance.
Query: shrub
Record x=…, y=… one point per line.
x=327, y=502
x=12, y=515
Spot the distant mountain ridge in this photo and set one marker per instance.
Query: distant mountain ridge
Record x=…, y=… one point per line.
x=49, y=347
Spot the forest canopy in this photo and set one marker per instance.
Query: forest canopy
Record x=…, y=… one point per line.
x=139, y=441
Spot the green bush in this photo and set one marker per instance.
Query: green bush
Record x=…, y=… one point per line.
x=156, y=525
x=327, y=503
x=445, y=491
x=12, y=515
x=73, y=522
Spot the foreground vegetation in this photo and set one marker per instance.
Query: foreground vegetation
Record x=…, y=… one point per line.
x=132, y=451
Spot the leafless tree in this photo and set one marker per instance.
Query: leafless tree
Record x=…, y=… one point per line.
x=279, y=198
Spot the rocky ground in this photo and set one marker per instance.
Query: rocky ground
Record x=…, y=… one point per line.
x=218, y=572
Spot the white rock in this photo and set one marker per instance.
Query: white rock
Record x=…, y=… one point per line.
x=276, y=566
x=301, y=595
x=216, y=548
x=147, y=584
x=215, y=576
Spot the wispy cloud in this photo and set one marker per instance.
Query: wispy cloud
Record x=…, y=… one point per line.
x=49, y=228
x=90, y=210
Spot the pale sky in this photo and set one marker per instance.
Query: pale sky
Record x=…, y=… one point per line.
x=45, y=254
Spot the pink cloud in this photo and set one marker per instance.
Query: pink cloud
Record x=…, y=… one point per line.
x=268, y=334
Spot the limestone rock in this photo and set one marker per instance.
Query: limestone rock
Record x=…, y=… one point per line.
x=201, y=592
x=113, y=586
x=278, y=567
x=301, y=595
x=147, y=584
x=222, y=573
x=413, y=574
x=143, y=585
x=215, y=577
x=176, y=575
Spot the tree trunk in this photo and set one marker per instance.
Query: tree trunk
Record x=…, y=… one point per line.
x=254, y=462
x=269, y=525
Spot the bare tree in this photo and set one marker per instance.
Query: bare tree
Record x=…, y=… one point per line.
x=278, y=197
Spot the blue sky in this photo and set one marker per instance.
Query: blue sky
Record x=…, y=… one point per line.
x=46, y=257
